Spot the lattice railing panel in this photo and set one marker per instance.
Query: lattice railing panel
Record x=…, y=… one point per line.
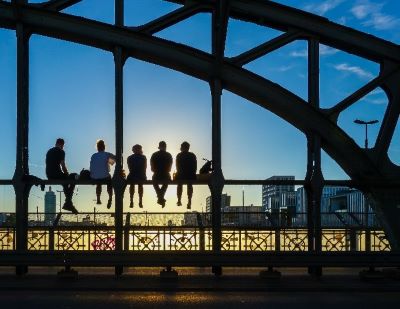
x=379, y=241
x=293, y=240
x=7, y=239
x=335, y=240
x=38, y=239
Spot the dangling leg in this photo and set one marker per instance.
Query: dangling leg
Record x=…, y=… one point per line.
x=110, y=193
x=98, y=194
x=163, y=189
x=131, y=193
x=190, y=194
x=140, y=189
x=179, y=190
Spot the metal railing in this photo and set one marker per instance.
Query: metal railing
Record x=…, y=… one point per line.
x=192, y=231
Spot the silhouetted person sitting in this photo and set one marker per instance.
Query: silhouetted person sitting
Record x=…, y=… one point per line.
x=56, y=169
x=161, y=162
x=100, y=170
x=186, y=166
x=137, y=165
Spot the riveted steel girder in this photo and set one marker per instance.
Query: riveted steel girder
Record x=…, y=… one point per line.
x=362, y=166
x=284, y=18
x=201, y=65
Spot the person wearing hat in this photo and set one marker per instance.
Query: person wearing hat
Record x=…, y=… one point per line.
x=161, y=163
x=137, y=165
x=186, y=166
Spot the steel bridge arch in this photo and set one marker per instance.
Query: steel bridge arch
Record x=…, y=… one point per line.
x=370, y=170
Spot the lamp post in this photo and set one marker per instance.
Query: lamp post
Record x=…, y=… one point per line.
x=366, y=123
x=366, y=206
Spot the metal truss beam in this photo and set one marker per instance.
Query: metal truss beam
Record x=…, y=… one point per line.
x=170, y=19
x=265, y=48
x=284, y=18
x=364, y=90
x=362, y=166
x=391, y=117
x=201, y=65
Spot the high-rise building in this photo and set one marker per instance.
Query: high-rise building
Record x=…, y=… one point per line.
x=276, y=197
x=49, y=205
x=336, y=203
x=327, y=192
x=225, y=201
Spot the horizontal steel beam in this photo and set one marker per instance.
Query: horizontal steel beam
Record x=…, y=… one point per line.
x=198, y=259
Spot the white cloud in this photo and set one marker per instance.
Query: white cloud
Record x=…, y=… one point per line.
x=372, y=15
x=344, y=67
x=364, y=8
x=324, y=7
x=377, y=101
x=376, y=92
x=323, y=51
x=299, y=53
x=326, y=50
x=376, y=97
x=285, y=68
x=381, y=21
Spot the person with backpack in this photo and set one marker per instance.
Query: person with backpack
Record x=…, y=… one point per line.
x=57, y=169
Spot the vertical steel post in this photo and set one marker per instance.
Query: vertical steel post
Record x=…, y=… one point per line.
x=126, y=231
x=366, y=225
x=316, y=178
x=22, y=167
x=219, y=28
x=217, y=181
x=308, y=191
x=118, y=180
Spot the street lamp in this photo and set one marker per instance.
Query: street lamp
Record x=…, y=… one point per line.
x=366, y=123
x=366, y=206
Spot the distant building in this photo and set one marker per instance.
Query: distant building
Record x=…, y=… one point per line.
x=49, y=206
x=278, y=197
x=327, y=192
x=339, y=206
x=351, y=208
x=225, y=201
x=196, y=219
x=243, y=215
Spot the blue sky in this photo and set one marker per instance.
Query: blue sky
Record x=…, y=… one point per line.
x=72, y=96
